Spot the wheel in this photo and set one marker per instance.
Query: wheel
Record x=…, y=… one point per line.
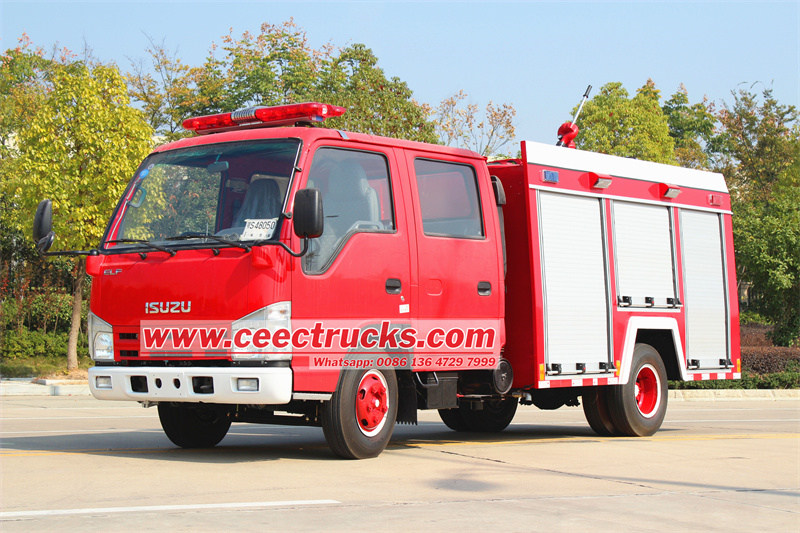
x=495, y=416
x=194, y=425
x=359, y=418
x=452, y=418
x=637, y=408
x=595, y=408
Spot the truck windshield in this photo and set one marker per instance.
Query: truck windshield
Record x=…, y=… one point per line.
x=211, y=194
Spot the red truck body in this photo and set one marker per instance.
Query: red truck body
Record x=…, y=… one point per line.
x=593, y=277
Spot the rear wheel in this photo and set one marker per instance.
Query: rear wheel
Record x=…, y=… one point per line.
x=492, y=416
x=359, y=418
x=595, y=407
x=638, y=408
x=452, y=418
x=194, y=425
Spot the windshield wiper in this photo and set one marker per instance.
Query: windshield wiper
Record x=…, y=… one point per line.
x=142, y=241
x=199, y=235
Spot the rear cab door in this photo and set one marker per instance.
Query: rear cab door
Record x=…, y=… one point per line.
x=459, y=253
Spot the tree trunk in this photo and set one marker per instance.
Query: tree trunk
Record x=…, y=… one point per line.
x=77, y=303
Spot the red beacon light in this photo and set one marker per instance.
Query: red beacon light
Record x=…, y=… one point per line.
x=255, y=117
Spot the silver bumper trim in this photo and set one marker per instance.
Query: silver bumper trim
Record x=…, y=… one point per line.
x=175, y=384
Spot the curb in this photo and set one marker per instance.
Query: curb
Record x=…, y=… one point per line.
x=43, y=387
x=55, y=387
x=705, y=395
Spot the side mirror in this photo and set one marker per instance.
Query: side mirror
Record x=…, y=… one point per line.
x=43, y=226
x=309, y=220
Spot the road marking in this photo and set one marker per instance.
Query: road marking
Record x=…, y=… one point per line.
x=163, y=508
x=80, y=417
x=756, y=436
x=422, y=444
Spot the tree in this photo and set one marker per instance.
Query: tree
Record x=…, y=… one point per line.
x=274, y=67
x=613, y=123
x=375, y=104
x=79, y=148
x=163, y=92
x=463, y=126
x=691, y=127
x=759, y=147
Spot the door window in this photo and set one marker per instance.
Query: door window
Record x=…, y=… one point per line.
x=448, y=199
x=356, y=198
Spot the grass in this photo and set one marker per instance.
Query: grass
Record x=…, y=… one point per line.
x=43, y=367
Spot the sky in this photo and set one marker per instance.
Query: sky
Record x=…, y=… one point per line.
x=538, y=56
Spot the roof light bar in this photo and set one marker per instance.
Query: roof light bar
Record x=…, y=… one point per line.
x=282, y=115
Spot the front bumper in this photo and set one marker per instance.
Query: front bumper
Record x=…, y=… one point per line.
x=191, y=384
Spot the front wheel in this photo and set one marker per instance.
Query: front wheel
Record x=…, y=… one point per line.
x=638, y=408
x=359, y=418
x=194, y=425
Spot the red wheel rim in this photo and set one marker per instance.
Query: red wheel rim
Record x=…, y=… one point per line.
x=372, y=403
x=647, y=391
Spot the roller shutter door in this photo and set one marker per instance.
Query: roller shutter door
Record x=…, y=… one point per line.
x=574, y=281
x=704, y=288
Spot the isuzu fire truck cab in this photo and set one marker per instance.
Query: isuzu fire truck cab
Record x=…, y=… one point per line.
x=351, y=280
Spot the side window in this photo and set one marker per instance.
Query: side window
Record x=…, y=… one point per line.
x=448, y=199
x=356, y=198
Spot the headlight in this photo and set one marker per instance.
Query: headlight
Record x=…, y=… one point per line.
x=101, y=339
x=272, y=318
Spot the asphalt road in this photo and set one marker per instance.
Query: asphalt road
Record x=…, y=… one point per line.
x=78, y=464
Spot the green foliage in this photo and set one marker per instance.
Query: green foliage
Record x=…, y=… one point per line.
x=613, y=123
x=768, y=255
x=760, y=150
x=274, y=67
x=79, y=149
x=37, y=366
x=758, y=144
x=692, y=128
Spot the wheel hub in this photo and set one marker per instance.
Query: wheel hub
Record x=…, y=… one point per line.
x=647, y=391
x=372, y=403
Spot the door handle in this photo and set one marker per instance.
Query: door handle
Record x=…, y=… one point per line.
x=484, y=288
x=393, y=286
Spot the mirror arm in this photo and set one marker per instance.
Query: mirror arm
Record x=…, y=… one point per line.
x=73, y=253
x=301, y=253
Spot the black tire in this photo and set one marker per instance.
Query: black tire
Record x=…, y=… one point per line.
x=595, y=407
x=194, y=425
x=637, y=408
x=495, y=416
x=355, y=428
x=452, y=418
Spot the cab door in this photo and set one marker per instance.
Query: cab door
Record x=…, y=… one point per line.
x=358, y=272
x=460, y=266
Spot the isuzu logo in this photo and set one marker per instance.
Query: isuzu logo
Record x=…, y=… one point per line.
x=167, y=307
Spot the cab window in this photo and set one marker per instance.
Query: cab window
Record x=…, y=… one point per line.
x=448, y=199
x=356, y=198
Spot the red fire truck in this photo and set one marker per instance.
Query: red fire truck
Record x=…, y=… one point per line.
x=303, y=275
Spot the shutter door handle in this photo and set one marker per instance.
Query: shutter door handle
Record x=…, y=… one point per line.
x=484, y=288
x=393, y=286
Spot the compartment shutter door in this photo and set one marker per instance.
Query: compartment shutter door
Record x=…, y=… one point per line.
x=704, y=288
x=574, y=281
x=643, y=253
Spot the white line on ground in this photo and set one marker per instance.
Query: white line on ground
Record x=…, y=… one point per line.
x=163, y=508
x=78, y=417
